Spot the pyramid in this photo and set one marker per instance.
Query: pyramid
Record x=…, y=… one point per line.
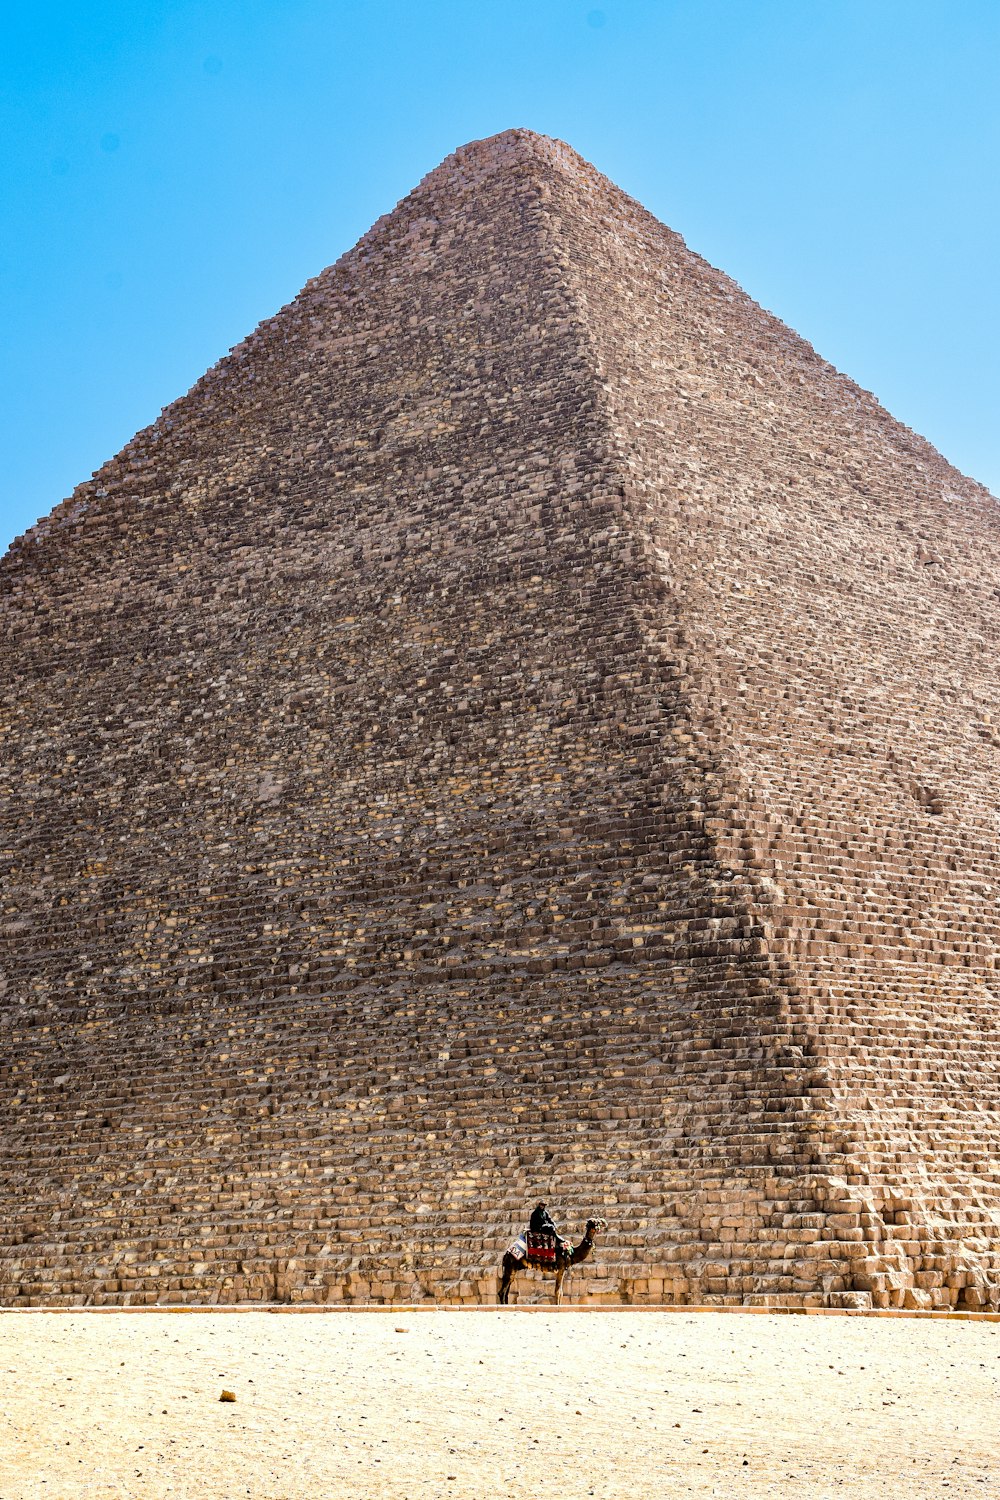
x=522, y=725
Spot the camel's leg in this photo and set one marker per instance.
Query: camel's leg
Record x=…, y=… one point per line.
x=507, y=1269
x=559, y=1282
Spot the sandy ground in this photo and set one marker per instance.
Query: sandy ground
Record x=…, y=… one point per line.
x=475, y=1404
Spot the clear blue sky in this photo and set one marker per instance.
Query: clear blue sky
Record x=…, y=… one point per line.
x=174, y=171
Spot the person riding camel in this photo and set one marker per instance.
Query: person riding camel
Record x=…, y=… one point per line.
x=541, y=1223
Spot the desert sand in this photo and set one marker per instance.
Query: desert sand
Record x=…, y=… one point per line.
x=473, y=1404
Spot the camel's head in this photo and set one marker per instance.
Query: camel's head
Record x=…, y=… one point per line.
x=595, y=1227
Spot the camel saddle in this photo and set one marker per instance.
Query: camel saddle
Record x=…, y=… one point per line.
x=541, y=1249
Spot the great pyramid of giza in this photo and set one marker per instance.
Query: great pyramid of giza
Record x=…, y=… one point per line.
x=522, y=725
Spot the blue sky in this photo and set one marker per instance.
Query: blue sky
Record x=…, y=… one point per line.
x=174, y=171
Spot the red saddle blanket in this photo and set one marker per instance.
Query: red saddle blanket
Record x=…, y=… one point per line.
x=541, y=1249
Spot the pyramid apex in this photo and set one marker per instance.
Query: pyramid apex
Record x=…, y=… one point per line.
x=507, y=147
x=517, y=151
x=517, y=136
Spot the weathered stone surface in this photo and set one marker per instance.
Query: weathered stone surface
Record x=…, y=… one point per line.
x=521, y=722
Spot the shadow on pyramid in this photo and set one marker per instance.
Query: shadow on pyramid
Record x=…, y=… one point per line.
x=522, y=726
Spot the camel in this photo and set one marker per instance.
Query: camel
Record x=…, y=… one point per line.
x=567, y=1256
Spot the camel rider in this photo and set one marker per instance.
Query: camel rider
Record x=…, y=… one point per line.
x=541, y=1223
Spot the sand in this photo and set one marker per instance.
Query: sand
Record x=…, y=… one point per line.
x=474, y=1404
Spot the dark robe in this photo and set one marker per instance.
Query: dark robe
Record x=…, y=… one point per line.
x=541, y=1223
